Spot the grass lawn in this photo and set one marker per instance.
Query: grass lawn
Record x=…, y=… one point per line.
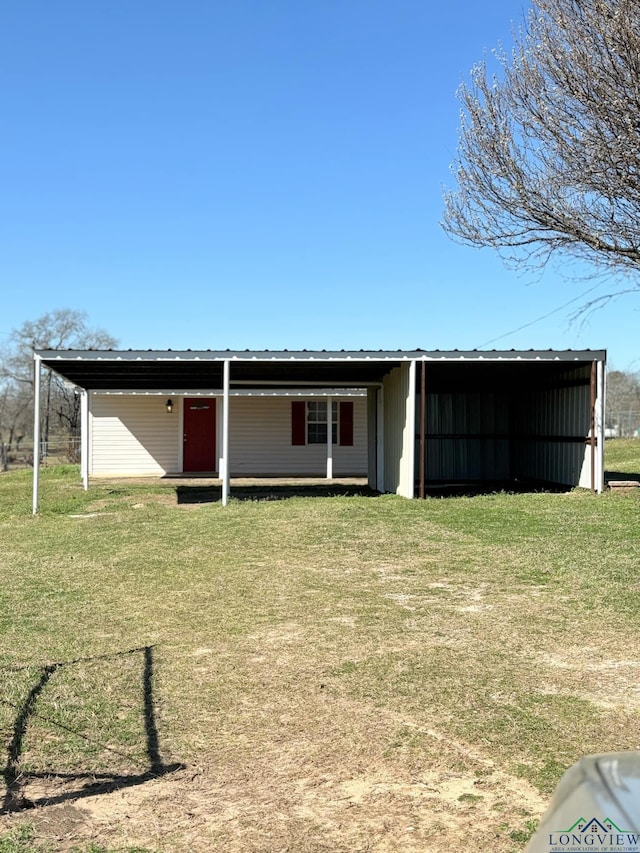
x=623, y=455
x=343, y=674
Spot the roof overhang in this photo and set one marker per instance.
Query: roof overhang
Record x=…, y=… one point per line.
x=199, y=370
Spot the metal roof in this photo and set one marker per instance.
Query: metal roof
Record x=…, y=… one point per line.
x=200, y=369
x=320, y=355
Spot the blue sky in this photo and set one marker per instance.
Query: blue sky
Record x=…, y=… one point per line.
x=258, y=174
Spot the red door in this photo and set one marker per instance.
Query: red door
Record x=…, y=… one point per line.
x=199, y=445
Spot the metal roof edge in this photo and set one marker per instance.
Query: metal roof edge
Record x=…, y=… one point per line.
x=321, y=355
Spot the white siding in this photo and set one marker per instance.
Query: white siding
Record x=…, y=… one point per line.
x=132, y=436
x=260, y=441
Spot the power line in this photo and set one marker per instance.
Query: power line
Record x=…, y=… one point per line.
x=539, y=319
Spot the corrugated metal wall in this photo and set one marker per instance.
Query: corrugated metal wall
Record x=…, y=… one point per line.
x=399, y=417
x=530, y=425
x=462, y=437
x=541, y=418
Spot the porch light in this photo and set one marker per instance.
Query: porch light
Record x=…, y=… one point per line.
x=169, y=406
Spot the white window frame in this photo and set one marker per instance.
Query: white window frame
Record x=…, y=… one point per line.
x=316, y=421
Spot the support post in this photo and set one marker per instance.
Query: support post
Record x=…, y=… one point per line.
x=600, y=421
x=329, y=438
x=409, y=433
x=594, y=375
x=423, y=409
x=225, y=432
x=36, y=431
x=84, y=438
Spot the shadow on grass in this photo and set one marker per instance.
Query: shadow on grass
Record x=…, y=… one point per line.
x=91, y=783
x=624, y=476
x=494, y=487
x=211, y=494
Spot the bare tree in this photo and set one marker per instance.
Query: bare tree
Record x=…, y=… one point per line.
x=60, y=329
x=549, y=149
x=623, y=402
x=15, y=422
x=14, y=415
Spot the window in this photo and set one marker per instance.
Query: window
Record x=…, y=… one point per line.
x=309, y=422
x=317, y=422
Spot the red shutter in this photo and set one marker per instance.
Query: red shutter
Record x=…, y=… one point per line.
x=346, y=424
x=298, y=422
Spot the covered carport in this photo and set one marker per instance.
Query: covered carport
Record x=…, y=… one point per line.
x=432, y=416
x=172, y=374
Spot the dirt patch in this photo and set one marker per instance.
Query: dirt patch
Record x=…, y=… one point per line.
x=278, y=805
x=304, y=769
x=608, y=683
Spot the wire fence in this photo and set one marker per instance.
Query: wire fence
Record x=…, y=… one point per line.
x=55, y=451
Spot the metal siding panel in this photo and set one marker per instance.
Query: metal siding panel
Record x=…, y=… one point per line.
x=553, y=412
x=472, y=458
x=409, y=449
x=399, y=425
x=524, y=417
x=391, y=440
x=372, y=409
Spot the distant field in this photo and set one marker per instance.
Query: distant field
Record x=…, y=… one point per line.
x=623, y=454
x=310, y=674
